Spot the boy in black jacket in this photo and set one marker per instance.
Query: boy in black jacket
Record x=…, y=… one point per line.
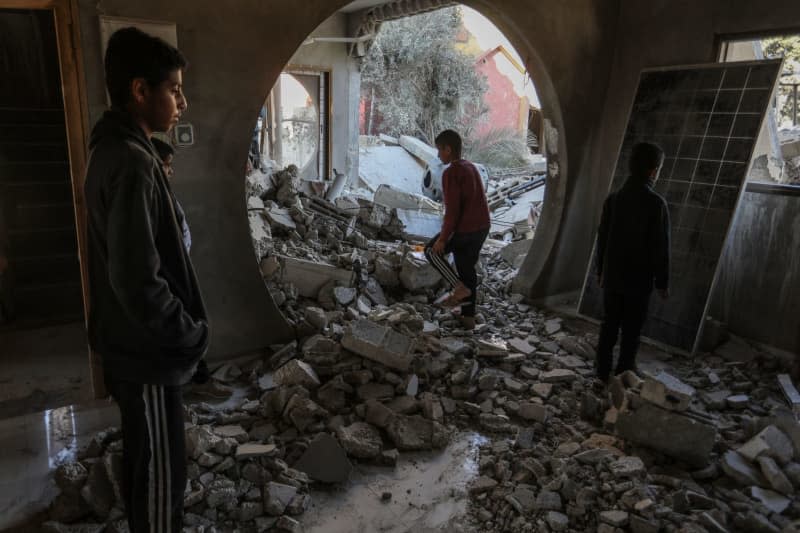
x=632, y=257
x=147, y=318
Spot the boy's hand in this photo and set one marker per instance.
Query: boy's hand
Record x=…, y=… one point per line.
x=202, y=375
x=438, y=247
x=664, y=293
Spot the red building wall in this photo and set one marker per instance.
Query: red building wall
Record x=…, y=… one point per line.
x=504, y=104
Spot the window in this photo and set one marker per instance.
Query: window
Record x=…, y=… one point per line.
x=776, y=159
x=295, y=123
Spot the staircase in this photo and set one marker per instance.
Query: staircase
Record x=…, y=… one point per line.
x=36, y=201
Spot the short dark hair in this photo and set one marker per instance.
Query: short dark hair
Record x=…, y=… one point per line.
x=131, y=53
x=644, y=158
x=163, y=148
x=449, y=138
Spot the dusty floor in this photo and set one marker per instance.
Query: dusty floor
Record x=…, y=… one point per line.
x=43, y=368
x=33, y=445
x=428, y=493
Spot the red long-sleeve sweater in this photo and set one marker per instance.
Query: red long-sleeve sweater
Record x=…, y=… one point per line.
x=465, y=206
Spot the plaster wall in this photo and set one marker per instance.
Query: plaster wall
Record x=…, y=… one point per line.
x=238, y=49
x=648, y=34
x=345, y=82
x=758, y=287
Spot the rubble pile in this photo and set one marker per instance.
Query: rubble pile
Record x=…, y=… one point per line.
x=376, y=371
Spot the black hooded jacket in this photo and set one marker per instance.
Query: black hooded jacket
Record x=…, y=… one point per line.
x=147, y=320
x=633, y=241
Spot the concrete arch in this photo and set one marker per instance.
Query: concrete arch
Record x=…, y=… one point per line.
x=237, y=53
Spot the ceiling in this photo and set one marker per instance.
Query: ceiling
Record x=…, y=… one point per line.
x=358, y=5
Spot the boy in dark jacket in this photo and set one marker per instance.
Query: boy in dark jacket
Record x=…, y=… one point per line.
x=147, y=319
x=632, y=257
x=464, y=229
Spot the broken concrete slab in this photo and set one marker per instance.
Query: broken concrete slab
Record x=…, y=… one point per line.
x=514, y=253
x=628, y=466
x=296, y=372
x=558, y=375
x=380, y=344
x=669, y=432
x=415, y=433
x=360, y=440
x=254, y=450
x=769, y=499
x=279, y=218
x=391, y=197
x=418, y=225
x=770, y=442
x=310, y=277
x=417, y=274
x=665, y=390
x=521, y=345
x=775, y=476
x=737, y=351
x=533, y=411
x=277, y=497
x=493, y=347
x=232, y=432
x=325, y=460
x=737, y=468
x=790, y=393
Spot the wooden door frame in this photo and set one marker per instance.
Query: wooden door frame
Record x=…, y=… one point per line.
x=76, y=116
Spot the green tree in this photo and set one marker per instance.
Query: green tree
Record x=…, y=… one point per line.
x=417, y=82
x=789, y=49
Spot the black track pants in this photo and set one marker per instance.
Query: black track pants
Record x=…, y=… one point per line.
x=154, y=455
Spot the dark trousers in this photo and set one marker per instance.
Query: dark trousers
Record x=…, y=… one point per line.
x=466, y=250
x=626, y=311
x=153, y=455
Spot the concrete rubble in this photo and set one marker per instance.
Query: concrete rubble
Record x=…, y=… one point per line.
x=378, y=372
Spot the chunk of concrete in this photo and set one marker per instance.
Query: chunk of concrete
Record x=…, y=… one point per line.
x=521, y=345
x=310, y=277
x=360, y=440
x=253, y=450
x=279, y=218
x=770, y=499
x=317, y=318
x=277, y=497
x=380, y=344
x=669, y=432
x=418, y=225
x=775, y=476
x=667, y=391
x=628, y=466
x=416, y=274
x=771, y=442
x=737, y=468
x=533, y=411
x=296, y=372
x=558, y=375
x=514, y=253
x=415, y=433
x=232, y=432
x=325, y=460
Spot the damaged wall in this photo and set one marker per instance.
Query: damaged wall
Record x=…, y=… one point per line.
x=657, y=33
x=346, y=85
x=225, y=88
x=758, y=288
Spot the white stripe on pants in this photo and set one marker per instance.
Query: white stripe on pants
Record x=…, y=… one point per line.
x=159, y=481
x=444, y=268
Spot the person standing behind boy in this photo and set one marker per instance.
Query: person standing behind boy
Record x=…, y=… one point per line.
x=167, y=153
x=464, y=229
x=147, y=320
x=633, y=254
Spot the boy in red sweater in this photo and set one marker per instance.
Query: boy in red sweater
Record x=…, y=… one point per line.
x=465, y=227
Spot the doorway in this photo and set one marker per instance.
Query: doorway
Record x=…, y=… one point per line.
x=43, y=344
